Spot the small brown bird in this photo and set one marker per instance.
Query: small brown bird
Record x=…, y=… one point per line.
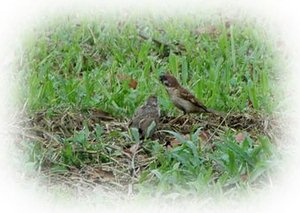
x=181, y=97
x=144, y=116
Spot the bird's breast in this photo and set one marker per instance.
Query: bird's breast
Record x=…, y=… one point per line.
x=181, y=103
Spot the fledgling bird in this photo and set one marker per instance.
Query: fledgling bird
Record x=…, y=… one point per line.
x=144, y=116
x=181, y=97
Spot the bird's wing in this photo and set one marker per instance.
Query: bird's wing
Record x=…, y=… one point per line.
x=137, y=116
x=145, y=124
x=186, y=95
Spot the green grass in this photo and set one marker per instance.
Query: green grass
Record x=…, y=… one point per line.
x=69, y=64
x=190, y=168
x=72, y=65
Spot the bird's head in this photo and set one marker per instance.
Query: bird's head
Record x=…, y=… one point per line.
x=152, y=100
x=168, y=80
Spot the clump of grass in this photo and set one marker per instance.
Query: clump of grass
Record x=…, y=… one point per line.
x=72, y=66
x=193, y=168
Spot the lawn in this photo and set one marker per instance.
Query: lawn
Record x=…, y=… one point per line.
x=81, y=79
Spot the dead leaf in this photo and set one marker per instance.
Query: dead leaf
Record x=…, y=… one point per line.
x=204, y=135
x=240, y=137
x=172, y=143
x=132, y=84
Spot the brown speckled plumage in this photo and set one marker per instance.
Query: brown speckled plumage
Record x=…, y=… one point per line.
x=145, y=115
x=181, y=97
